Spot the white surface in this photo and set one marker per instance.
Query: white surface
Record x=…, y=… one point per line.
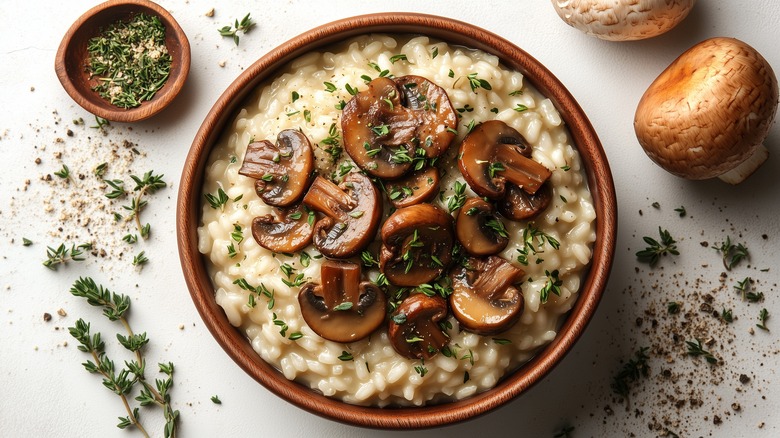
x=46, y=392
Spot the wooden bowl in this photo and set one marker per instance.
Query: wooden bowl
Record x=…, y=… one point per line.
x=72, y=57
x=454, y=32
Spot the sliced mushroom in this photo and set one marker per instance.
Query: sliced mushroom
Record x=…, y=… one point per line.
x=517, y=205
x=416, y=245
x=421, y=186
x=352, y=212
x=493, y=154
x=282, y=170
x=484, y=299
x=342, y=308
x=287, y=231
x=413, y=329
x=479, y=230
x=395, y=122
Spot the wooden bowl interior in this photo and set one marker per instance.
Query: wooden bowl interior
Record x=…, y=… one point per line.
x=72, y=59
x=453, y=32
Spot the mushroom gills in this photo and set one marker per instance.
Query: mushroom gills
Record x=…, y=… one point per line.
x=352, y=214
x=517, y=205
x=395, y=123
x=283, y=171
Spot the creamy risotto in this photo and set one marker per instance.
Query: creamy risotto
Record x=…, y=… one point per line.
x=258, y=289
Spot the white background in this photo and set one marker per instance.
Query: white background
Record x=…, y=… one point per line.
x=46, y=392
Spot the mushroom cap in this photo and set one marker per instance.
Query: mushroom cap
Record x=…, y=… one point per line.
x=623, y=20
x=484, y=300
x=352, y=213
x=418, y=187
x=282, y=170
x=288, y=232
x=709, y=110
x=416, y=245
x=342, y=308
x=384, y=126
x=419, y=335
x=478, y=228
x=493, y=154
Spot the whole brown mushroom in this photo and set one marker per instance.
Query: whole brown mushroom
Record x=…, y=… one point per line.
x=709, y=112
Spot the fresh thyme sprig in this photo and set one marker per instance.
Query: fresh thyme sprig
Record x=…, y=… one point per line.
x=696, y=349
x=763, y=315
x=652, y=254
x=457, y=200
x=62, y=254
x=553, y=285
x=630, y=372
x=732, y=254
x=217, y=201
x=115, y=308
x=146, y=185
x=533, y=241
x=244, y=26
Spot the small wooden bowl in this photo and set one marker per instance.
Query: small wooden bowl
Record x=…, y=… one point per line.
x=71, y=60
x=234, y=342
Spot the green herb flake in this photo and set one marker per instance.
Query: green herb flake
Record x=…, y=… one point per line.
x=653, y=253
x=244, y=26
x=129, y=61
x=215, y=399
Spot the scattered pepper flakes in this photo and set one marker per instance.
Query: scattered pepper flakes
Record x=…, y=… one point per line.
x=47, y=317
x=209, y=13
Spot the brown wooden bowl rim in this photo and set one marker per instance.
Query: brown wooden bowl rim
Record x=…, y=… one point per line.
x=454, y=32
x=148, y=108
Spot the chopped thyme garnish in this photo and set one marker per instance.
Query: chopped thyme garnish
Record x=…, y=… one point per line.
x=732, y=254
x=630, y=372
x=130, y=61
x=763, y=315
x=696, y=349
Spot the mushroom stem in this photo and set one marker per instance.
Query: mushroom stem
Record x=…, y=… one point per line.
x=747, y=167
x=328, y=198
x=340, y=283
x=519, y=170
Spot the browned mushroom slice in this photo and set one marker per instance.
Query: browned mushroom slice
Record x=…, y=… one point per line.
x=342, y=308
x=352, y=212
x=484, y=299
x=479, y=230
x=283, y=171
x=421, y=186
x=288, y=232
x=413, y=329
x=432, y=107
x=518, y=205
x=416, y=245
x=492, y=155
x=395, y=122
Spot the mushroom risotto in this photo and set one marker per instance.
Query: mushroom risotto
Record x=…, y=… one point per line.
x=397, y=221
